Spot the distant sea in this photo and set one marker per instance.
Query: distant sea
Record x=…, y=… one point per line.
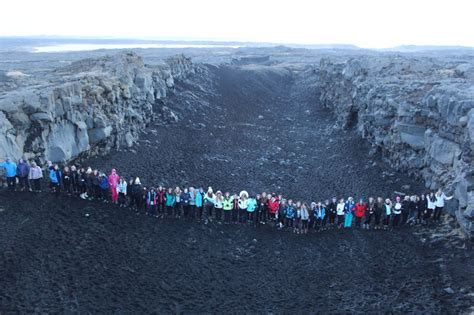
x=86, y=47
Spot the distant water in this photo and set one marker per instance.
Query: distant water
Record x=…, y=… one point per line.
x=85, y=47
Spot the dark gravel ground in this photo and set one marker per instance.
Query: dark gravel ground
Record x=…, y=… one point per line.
x=259, y=130
x=54, y=259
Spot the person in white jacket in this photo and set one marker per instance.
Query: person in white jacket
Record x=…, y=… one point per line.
x=440, y=197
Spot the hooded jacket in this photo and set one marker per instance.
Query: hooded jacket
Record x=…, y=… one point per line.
x=273, y=205
x=360, y=209
x=22, y=169
x=349, y=207
x=228, y=203
x=55, y=176
x=10, y=168
x=35, y=173
x=198, y=199
x=122, y=187
x=170, y=199
x=251, y=205
x=320, y=212
x=114, y=179
x=104, y=182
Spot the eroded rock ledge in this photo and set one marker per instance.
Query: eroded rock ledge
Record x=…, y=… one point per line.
x=89, y=106
x=418, y=111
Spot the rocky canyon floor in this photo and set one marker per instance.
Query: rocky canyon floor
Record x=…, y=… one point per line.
x=250, y=128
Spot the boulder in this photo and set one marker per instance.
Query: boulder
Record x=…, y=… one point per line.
x=98, y=134
x=413, y=135
x=444, y=151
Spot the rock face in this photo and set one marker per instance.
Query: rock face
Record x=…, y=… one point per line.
x=90, y=106
x=418, y=111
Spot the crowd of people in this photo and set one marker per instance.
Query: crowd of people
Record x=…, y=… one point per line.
x=230, y=208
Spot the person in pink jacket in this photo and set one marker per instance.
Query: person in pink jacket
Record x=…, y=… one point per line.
x=113, y=182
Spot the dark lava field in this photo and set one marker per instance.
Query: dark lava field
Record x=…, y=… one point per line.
x=250, y=128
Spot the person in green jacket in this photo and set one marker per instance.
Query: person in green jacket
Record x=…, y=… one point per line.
x=170, y=201
x=228, y=205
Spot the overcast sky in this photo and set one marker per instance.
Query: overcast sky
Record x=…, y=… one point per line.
x=366, y=23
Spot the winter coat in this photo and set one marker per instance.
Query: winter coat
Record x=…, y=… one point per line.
x=273, y=206
x=320, y=212
x=114, y=179
x=151, y=198
x=304, y=214
x=290, y=212
x=251, y=205
x=228, y=203
x=360, y=209
x=104, y=183
x=10, y=168
x=35, y=173
x=209, y=200
x=55, y=176
x=122, y=188
x=170, y=199
x=243, y=204
x=397, y=208
x=349, y=207
x=198, y=199
x=22, y=170
x=185, y=198
x=340, y=208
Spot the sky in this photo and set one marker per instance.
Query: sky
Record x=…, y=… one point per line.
x=365, y=23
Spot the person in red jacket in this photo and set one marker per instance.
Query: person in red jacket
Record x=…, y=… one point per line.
x=360, y=209
x=273, y=205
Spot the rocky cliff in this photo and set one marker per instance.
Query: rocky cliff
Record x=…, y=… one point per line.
x=89, y=106
x=418, y=111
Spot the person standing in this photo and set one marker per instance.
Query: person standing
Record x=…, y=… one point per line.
x=219, y=204
x=192, y=203
x=243, y=204
x=349, y=208
x=227, y=206
x=170, y=201
x=378, y=212
x=35, y=175
x=114, y=179
x=440, y=198
x=66, y=179
x=10, y=170
x=360, y=209
x=22, y=171
x=199, y=203
x=332, y=211
x=430, y=206
x=304, y=218
x=122, y=192
x=251, y=207
x=397, y=211
x=185, y=198
x=209, y=202
x=369, y=213
x=340, y=213
x=388, y=213
x=55, y=177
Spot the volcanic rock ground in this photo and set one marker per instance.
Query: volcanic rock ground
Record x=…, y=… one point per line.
x=56, y=259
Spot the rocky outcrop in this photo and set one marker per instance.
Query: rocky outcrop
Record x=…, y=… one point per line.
x=419, y=112
x=89, y=106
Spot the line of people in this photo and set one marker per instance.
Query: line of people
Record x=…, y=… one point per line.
x=197, y=204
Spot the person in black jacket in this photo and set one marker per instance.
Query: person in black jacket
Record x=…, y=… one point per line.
x=422, y=204
x=331, y=211
x=137, y=194
x=378, y=212
x=405, y=210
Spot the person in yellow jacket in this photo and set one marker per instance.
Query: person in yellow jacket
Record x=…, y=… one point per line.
x=228, y=205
